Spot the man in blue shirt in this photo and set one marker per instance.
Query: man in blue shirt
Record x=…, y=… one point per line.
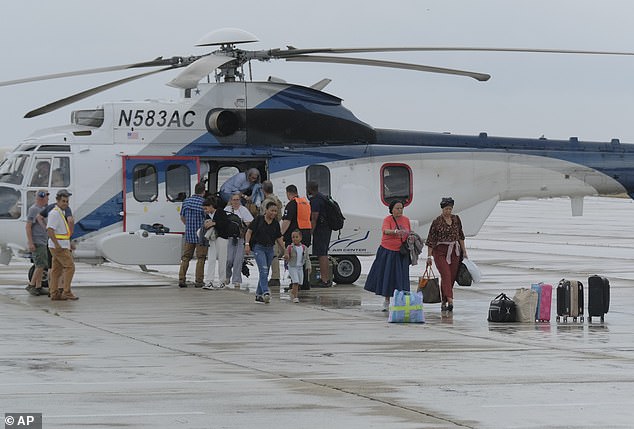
x=193, y=216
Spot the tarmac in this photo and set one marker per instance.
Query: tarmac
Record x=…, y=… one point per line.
x=137, y=351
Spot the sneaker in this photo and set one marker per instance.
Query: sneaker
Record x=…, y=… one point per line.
x=182, y=284
x=222, y=285
x=386, y=306
x=267, y=298
x=209, y=286
x=443, y=306
x=69, y=295
x=199, y=284
x=259, y=299
x=449, y=307
x=32, y=290
x=296, y=300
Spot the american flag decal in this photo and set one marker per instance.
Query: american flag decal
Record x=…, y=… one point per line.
x=133, y=135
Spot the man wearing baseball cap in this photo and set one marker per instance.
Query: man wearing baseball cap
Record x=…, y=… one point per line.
x=59, y=233
x=37, y=238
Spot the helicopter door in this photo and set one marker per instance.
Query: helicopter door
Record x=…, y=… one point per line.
x=154, y=189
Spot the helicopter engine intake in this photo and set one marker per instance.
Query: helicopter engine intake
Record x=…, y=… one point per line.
x=222, y=123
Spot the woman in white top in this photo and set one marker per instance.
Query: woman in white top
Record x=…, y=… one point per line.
x=235, y=246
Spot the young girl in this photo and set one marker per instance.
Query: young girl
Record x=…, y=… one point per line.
x=297, y=258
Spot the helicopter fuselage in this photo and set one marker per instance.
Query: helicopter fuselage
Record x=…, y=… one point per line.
x=132, y=163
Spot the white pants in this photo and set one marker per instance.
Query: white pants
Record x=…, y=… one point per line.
x=217, y=251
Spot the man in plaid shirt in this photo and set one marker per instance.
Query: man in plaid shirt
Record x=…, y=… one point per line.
x=193, y=216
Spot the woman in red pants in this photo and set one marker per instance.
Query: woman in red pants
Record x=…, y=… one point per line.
x=445, y=246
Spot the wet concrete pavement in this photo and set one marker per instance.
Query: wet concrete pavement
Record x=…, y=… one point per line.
x=137, y=351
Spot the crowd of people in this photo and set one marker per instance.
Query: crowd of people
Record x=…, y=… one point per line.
x=221, y=229
x=245, y=218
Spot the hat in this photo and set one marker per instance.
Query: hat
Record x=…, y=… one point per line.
x=63, y=193
x=42, y=193
x=446, y=201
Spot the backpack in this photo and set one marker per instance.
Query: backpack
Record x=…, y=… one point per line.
x=235, y=227
x=334, y=217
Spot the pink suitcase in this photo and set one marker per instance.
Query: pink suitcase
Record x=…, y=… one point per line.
x=545, y=301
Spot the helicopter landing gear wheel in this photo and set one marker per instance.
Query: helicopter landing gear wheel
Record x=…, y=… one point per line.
x=347, y=270
x=44, y=276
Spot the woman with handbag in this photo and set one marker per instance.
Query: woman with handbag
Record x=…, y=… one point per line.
x=445, y=246
x=390, y=269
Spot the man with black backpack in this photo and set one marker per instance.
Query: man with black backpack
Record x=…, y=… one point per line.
x=320, y=230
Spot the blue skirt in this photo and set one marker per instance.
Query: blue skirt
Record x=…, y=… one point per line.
x=389, y=272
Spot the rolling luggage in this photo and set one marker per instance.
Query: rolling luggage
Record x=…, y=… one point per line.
x=598, y=297
x=544, y=301
x=313, y=279
x=570, y=300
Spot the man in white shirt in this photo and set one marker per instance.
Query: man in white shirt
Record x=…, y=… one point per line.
x=59, y=233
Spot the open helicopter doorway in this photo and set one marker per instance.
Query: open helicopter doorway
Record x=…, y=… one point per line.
x=217, y=171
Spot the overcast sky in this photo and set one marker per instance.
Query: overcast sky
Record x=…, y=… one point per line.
x=528, y=95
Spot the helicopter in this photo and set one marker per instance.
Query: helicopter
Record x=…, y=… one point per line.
x=132, y=163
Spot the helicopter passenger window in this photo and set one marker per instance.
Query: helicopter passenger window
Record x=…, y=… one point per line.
x=396, y=183
x=177, y=183
x=225, y=173
x=60, y=177
x=321, y=175
x=145, y=183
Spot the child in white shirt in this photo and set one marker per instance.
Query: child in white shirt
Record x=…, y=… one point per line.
x=297, y=258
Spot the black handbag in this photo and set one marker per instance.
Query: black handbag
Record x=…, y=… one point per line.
x=502, y=309
x=430, y=287
x=464, y=276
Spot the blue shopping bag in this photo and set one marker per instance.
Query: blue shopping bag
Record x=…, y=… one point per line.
x=406, y=307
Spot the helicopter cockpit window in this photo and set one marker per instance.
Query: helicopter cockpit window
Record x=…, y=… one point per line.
x=12, y=169
x=10, y=206
x=396, y=183
x=60, y=176
x=145, y=183
x=41, y=174
x=177, y=183
x=321, y=175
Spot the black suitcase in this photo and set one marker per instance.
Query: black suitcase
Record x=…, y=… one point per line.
x=314, y=278
x=598, y=297
x=570, y=300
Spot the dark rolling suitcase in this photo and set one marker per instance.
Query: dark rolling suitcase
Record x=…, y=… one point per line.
x=570, y=300
x=313, y=279
x=598, y=297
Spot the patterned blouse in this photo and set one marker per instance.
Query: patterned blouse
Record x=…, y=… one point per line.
x=440, y=232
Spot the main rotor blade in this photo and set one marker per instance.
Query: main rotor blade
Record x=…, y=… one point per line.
x=379, y=63
x=278, y=53
x=158, y=62
x=85, y=94
x=200, y=68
